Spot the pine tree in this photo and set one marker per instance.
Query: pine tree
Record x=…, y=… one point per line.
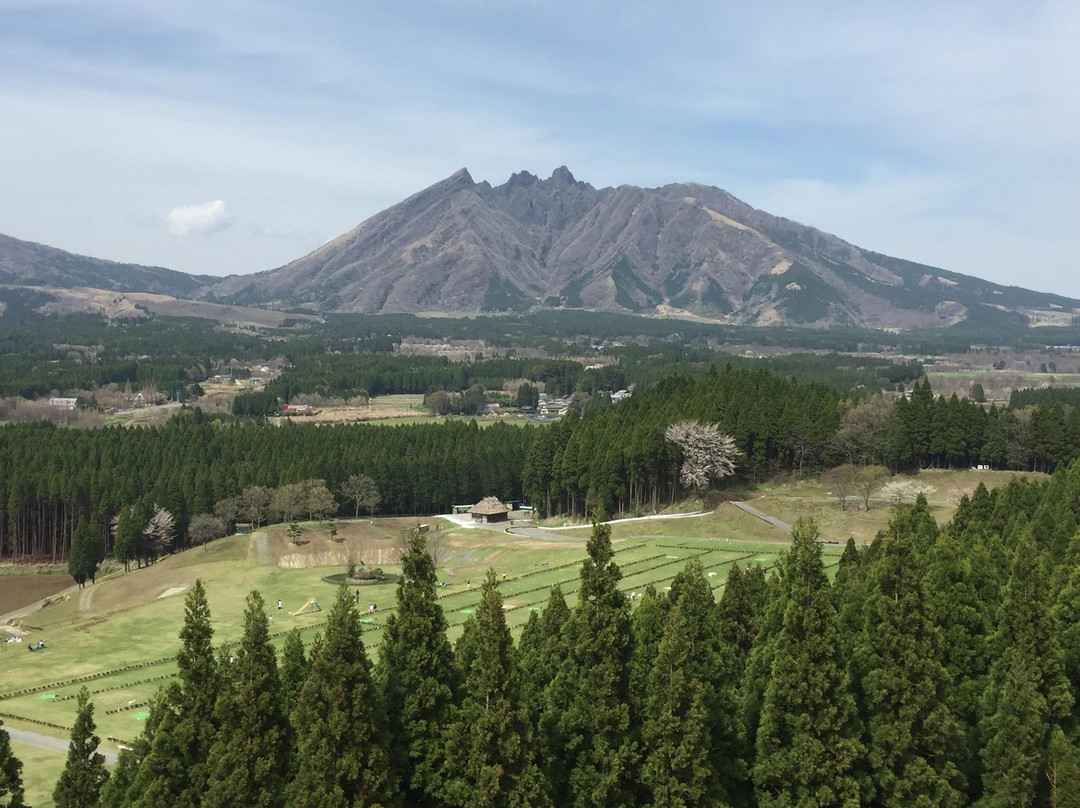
x=647, y=628
x=808, y=746
x=11, y=785
x=294, y=670
x=415, y=673
x=1028, y=692
x=957, y=606
x=690, y=734
x=590, y=752
x=489, y=749
x=339, y=723
x=175, y=770
x=914, y=740
x=249, y=758
x=1014, y=752
x=84, y=773
x=740, y=612
x=82, y=563
x=541, y=653
x=119, y=789
x=1063, y=771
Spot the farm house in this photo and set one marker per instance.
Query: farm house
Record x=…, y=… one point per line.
x=489, y=509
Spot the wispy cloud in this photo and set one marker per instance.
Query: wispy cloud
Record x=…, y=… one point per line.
x=198, y=220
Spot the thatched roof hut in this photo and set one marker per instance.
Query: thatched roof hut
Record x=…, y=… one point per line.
x=489, y=509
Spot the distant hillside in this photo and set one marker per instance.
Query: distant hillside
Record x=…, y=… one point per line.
x=25, y=263
x=680, y=249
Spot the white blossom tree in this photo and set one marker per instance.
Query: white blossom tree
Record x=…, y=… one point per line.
x=708, y=454
x=159, y=532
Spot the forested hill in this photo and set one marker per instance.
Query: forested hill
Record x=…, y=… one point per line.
x=940, y=668
x=614, y=459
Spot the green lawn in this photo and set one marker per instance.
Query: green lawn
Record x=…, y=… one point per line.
x=41, y=770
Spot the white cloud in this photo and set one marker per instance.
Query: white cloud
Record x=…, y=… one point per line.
x=198, y=220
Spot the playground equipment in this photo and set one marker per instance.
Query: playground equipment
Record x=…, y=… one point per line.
x=314, y=604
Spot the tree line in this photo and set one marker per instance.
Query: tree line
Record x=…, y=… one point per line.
x=615, y=458
x=940, y=667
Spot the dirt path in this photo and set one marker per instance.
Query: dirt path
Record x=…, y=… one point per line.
x=85, y=597
x=48, y=742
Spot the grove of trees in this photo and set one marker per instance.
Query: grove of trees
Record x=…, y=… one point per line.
x=939, y=666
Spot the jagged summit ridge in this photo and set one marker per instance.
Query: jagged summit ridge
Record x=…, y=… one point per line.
x=684, y=248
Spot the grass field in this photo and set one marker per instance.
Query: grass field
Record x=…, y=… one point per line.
x=119, y=637
x=41, y=770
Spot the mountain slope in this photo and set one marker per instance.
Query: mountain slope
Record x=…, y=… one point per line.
x=25, y=263
x=683, y=248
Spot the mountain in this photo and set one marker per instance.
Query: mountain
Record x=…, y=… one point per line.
x=24, y=263
x=681, y=249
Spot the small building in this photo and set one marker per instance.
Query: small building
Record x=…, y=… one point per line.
x=243, y=527
x=63, y=403
x=299, y=409
x=463, y=508
x=489, y=509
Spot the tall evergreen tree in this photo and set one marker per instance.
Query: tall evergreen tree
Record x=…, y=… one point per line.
x=489, y=749
x=690, y=734
x=541, y=653
x=119, y=789
x=1063, y=771
x=961, y=607
x=175, y=770
x=913, y=738
x=84, y=772
x=415, y=674
x=340, y=727
x=647, y=628
x=740, y=612
x=11, y=785
x=294, y=669
x=82, y=557
x=1028, y=692
x=588, y=701
x=808, y=746
x=249, y=758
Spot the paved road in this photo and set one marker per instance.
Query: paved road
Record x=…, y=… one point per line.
x=772, y=520
x=48, y=742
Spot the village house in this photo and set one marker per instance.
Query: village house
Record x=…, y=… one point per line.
x=489, y=509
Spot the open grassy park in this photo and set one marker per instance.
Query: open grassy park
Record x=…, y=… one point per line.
x=119, y=636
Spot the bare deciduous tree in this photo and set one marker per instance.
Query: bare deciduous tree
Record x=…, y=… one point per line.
x=361, y=490
x=707, y=452
x=867, y=480
x=320, y=503
x=205, y=528
x=289, y=501
x=861, y=436
x=841, y=480
x=231, y=509
x=256, y=503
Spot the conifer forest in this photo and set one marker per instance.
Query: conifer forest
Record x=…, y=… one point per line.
x=938, y=667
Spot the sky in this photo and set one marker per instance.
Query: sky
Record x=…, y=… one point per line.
x=233, y=136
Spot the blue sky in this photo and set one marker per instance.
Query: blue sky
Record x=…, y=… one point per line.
x=234, y=136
